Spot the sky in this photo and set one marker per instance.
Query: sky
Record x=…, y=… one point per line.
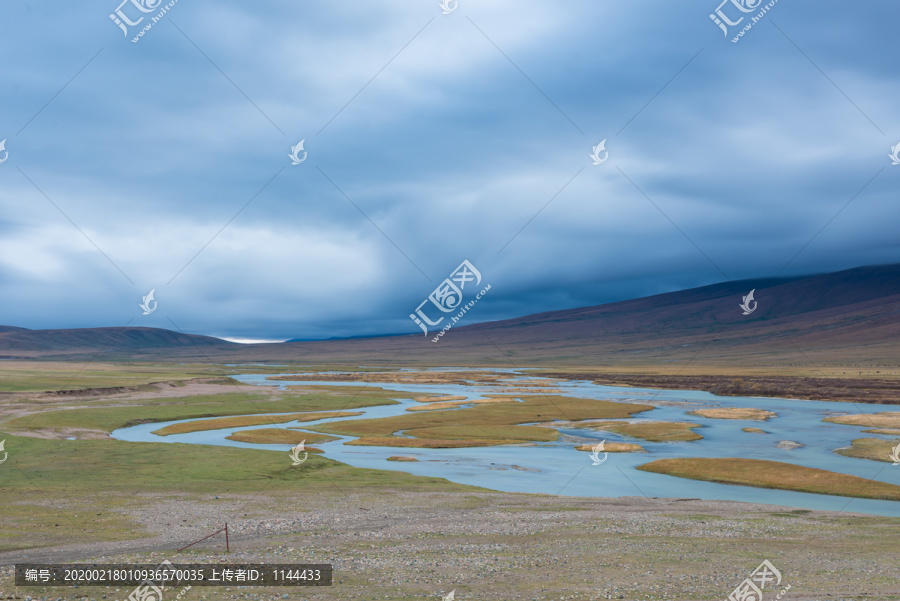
x=161, y=162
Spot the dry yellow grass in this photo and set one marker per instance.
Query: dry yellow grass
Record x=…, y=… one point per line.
x=516, y=433
x=887, y=431
x=397, y=441
x=875, y=449
x=735, y=413
x=454, y=404
x=773, y=474
x=754, y=430
x=249, y=420
x=883, y=419
x=650, y=431
x=472, y=421
x=472, y=435
x=614, y=447
x=513, y=389
x=436, y=406
x=401, y=458
x=280, y=436
x=438, y=398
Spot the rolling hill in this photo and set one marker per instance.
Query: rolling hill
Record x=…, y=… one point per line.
x=849, y=317
x=845, y=318
x=15, y=340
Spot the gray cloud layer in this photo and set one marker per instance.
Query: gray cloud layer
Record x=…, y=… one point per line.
x=432, y=139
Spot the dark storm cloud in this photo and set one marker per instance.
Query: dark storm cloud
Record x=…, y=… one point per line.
x=432, y=139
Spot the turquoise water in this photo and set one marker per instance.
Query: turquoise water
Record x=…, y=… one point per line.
x=557, y=468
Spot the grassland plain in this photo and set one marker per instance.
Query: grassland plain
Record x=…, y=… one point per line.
x=105, y=415
x=70, y=490
x=390, y=535
x=66, y=492
x=25, y=376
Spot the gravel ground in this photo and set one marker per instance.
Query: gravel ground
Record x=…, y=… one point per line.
x=499, y=546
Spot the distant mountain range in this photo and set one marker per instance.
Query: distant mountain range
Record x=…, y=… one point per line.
x=14, y=339
x=843, y=317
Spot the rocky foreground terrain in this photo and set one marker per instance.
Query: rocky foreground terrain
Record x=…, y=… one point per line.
x=500, y=547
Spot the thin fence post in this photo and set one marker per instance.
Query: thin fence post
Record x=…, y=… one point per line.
x=208, y=536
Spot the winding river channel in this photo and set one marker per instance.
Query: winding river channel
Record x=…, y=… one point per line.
x=557, y=468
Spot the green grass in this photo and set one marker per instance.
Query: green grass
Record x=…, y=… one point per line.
x=773, y=474
x=49, y=482
x=46, y=482
x=108, y=419
x=20, y=376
